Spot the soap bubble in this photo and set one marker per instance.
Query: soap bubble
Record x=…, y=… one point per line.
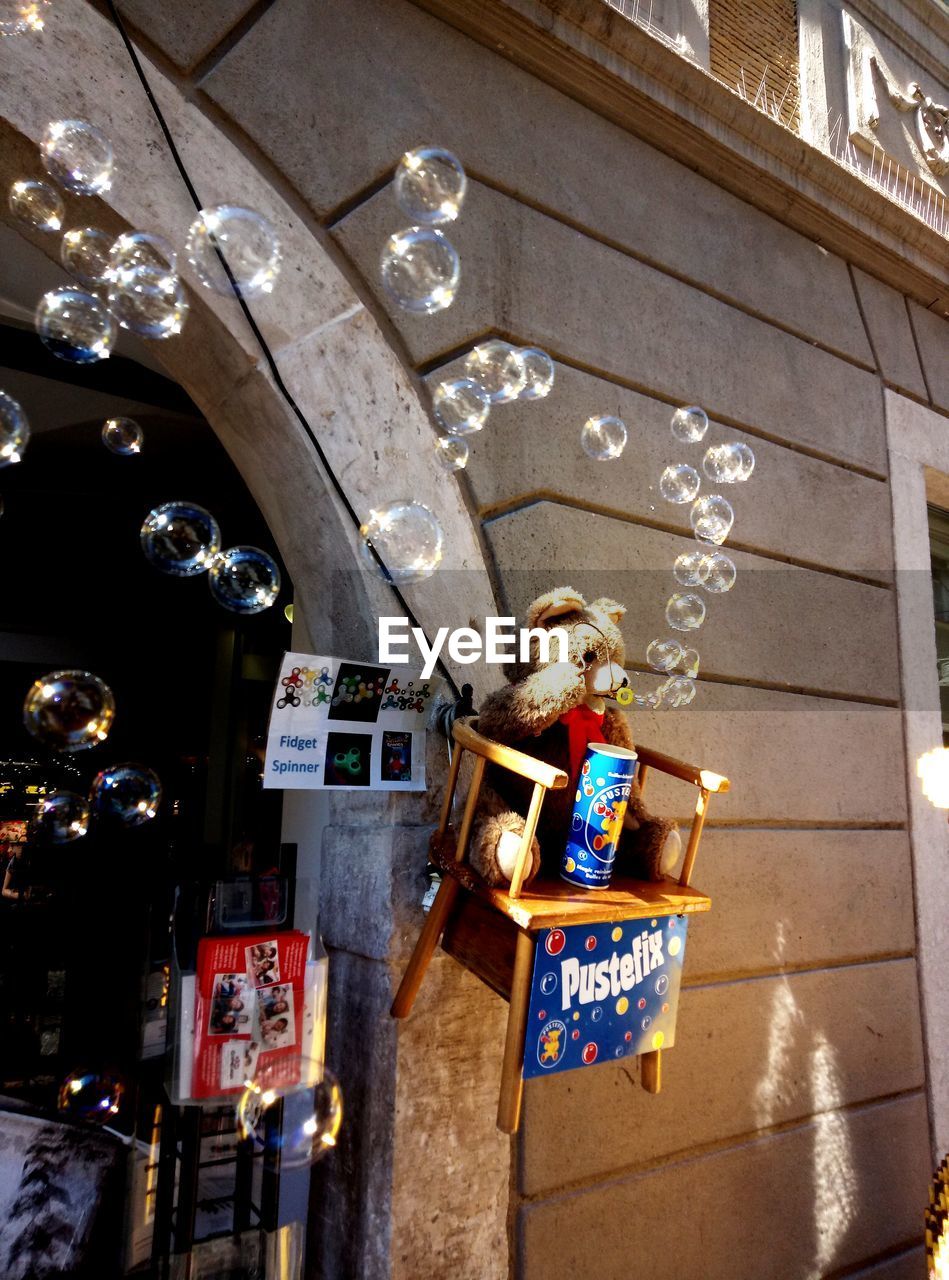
x=747, y=465
x=680, y=692
x=62, y=818
x=461, y=406
x=691, y=568
x=498, y=368
x=430, y=185
x=17, y=16
x=180, y=538
x=75, y=325
x=690, y=424
x=685, y=611
x=679, y=483
x=306, y=1127
x=603, y=438
x=721, y=573
x=126, y=793
x=688, y=664
x=14, y=430
x=711, y=518
x=244, y=579
x=722, y=463
x=69, y=710
x=141, y=249
x=663, y=655
x=37, y=205
x=420, y=270
x=87, y=1095
x=149, y=301
x=123, y=436
x=407, y=538
x=78, y=156
x=451, y=452
x=249, y=244
x=539, y=369
x=84, y=252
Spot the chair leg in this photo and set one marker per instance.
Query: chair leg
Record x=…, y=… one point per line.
x=512, y=1077
x=435, y=922
x=650, y=1070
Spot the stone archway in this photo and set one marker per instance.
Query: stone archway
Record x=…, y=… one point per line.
x=331, y=350
x=403, y=1185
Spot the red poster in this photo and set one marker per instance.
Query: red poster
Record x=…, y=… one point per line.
x=248, y=1007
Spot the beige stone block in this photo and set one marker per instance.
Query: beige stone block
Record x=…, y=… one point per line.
x=841, y=1188
x=405, y=71
x=837, y=896
x=530, y=448
x=352, y=1187
x=185, y=32
x=771, y=627
x=610, y=313
x=885, y=312
x=932, y=334
x=747, y=1056
x=452, y=1167
x=790, y=758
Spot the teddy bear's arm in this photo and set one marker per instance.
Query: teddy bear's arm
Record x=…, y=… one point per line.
x=617, y=731
x=616, y=728
x=526, y=709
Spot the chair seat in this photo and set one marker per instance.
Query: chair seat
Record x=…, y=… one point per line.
x=553, y=903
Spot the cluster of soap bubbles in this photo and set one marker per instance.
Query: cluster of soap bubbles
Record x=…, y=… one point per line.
x=183, y=539
x=711, y=517
x=131, y=281
x=420, y=267
x=291, y=1110
x=495, y=372
x=71, y=711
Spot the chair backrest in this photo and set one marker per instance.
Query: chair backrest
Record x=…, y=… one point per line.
x=546, y=777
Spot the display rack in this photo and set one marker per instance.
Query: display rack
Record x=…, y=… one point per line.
x=493, y=932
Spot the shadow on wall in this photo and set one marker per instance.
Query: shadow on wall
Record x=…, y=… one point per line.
x=833, y=1173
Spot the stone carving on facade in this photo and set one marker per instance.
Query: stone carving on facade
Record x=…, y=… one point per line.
x=932, y=118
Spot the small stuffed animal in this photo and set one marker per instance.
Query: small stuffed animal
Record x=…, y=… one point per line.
x=552, y=711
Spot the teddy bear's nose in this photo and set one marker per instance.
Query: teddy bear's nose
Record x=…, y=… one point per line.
x=624, y=683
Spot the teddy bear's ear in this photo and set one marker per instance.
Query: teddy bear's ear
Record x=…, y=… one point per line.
x=612, y=610
x=553, y=604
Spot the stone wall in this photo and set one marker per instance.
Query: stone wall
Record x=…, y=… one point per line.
x=791, y=1136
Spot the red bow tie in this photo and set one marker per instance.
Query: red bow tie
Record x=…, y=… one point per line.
x=584, y=725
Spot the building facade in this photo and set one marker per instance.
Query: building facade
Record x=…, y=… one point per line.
x=737, y=206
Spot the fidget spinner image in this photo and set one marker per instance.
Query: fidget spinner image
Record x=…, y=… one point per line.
x=408, y=699
x=291, y=683
x=350, y=761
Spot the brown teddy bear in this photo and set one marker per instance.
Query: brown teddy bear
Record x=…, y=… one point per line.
x=552, y=711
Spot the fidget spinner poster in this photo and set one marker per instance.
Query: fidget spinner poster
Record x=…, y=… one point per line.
x=348, y=725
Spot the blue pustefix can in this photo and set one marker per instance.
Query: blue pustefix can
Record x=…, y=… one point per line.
x=606, y=779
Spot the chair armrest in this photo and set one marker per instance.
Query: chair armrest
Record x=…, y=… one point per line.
x=467, y=736
x=703, y=778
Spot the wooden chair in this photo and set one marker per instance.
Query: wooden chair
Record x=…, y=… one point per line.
x=493, y=931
